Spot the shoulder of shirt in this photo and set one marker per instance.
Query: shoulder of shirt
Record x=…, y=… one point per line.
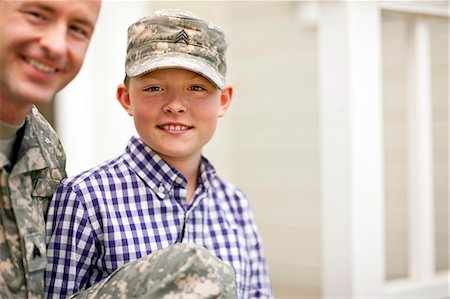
x=39, y=122
x=48, y=140
x=92, y=174
x=234, y=204
x=220, y=184
x=231, y=191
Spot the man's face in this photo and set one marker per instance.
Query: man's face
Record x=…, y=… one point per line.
x=43, y=44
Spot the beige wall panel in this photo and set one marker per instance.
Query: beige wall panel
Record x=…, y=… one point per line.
x=440, y=97
x=394, y=47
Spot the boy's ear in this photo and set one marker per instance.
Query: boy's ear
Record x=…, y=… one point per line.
x=123, y=96
x=225, y=100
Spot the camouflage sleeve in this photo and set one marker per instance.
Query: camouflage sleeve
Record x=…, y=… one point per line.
x=70, y=244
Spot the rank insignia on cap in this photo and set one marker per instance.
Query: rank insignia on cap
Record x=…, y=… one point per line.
x=182, y=37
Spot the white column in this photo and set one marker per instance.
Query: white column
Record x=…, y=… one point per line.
x=420, y=154
x=351, y=149
x=91, y=123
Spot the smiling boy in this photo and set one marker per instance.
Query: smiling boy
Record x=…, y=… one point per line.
x=162, y=190
x=175, y=113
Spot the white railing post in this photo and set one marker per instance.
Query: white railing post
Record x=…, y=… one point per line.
x=420, y=154
x=351, y=149
x=423, y=281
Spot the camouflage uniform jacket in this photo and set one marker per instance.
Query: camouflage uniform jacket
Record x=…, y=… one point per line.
x=25, y=193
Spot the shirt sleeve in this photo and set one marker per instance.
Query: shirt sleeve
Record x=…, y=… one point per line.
x=259, y=279
x=70, y=244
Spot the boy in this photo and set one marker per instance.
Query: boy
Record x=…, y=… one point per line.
x=162, y=190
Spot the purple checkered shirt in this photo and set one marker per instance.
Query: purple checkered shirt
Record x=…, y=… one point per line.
x=136, y=204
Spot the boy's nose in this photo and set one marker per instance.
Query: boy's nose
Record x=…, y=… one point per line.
x=175, y=105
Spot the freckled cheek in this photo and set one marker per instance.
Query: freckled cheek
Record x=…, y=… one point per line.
x=145, y=117
x=211, y=123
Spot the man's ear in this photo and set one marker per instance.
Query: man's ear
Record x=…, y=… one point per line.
x=225, y=100
x=123, y=96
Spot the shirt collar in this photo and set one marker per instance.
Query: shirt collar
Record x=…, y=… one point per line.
x=157, y=174
x=206, y=174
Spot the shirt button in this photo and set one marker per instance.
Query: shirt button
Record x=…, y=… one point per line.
x=179, y=180
x=161, y=188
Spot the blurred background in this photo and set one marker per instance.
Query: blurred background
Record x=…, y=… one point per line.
x=338, y=133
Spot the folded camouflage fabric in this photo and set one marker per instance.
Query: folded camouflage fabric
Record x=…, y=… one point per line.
x=180, y=271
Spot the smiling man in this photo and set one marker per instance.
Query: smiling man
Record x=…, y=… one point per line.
x=42, y=48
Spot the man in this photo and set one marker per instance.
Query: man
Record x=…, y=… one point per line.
x=43, y=44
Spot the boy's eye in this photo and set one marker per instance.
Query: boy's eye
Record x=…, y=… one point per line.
x=153, y=88
x=196, y=88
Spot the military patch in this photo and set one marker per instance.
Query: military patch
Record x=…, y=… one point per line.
x=35, y=252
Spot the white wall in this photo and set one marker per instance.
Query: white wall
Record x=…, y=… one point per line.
x=91, y=123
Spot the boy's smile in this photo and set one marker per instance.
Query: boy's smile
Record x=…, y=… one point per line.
x=175, y=111
x=174, y=128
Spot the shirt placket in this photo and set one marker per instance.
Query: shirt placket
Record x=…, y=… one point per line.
x=178, y=193
x=191, y=217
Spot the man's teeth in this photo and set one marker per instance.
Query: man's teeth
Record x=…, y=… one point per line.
x=41, y=66
x=175, y=128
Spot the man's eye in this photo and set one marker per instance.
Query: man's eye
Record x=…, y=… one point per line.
x=36, y=16
x=196, y=88
x=153, y=88
x=79, y=31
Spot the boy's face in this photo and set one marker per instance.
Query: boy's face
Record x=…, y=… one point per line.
x=175, y=111
x=43, y=44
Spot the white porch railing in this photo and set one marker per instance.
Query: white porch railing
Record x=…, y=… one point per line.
x=352, y=153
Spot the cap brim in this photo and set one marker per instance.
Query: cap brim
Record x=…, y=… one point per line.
x=176, y=60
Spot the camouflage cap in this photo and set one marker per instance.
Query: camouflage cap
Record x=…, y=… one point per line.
x=180, y=271
x=179, y=39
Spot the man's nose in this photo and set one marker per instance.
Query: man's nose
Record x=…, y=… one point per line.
x=54, y=40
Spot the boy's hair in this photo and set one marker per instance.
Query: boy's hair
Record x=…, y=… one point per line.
x=126, y=81
x=176, y=39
